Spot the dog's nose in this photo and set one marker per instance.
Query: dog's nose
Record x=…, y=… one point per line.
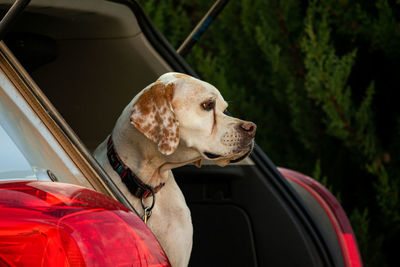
x=249, y=128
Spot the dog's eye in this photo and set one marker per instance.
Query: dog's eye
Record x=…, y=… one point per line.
x=208, y=105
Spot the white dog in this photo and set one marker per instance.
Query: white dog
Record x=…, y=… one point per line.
x=174, y=121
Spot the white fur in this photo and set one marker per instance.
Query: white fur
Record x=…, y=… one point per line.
x=200, y=131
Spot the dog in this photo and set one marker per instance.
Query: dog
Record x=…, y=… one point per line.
x=174, y=121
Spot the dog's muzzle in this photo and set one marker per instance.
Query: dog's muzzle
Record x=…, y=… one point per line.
x=242, y=157
x=242, y=139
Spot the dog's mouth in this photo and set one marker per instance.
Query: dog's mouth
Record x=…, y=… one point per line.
x=211, y=155
x=241, y=157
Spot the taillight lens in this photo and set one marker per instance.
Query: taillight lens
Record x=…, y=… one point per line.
x=54, y=224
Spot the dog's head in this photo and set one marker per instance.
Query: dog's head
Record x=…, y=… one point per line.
x=179, y=109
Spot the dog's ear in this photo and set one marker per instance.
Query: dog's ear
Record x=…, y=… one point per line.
x=153, y=115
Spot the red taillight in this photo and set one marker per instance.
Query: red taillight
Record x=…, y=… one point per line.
x=54, y=224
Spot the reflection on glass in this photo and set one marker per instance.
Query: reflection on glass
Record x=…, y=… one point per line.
x=12, y=163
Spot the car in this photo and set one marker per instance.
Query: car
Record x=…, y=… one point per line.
x=68, y=67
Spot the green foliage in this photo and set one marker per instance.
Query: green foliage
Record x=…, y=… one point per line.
x=320, y=80
x=327, y=84
x=170, y=18
x=369, y=244
x=317, y=175
x=387, y=197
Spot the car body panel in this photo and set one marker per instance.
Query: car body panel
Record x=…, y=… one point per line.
x=331, y=215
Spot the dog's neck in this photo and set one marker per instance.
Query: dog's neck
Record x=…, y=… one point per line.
x=152, y=168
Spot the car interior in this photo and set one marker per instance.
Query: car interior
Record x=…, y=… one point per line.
x=90, y=58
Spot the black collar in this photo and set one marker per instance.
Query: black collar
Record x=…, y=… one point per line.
x=134, y=184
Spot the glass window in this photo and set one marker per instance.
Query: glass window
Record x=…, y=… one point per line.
x=28, y=148
x=12, y=163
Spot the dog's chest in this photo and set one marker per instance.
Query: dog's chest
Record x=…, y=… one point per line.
x=172, y=225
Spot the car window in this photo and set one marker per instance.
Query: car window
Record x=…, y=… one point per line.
x=47, y=146
x=12, y=163
x=28, y=150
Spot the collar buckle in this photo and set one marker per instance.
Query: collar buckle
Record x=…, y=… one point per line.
x=148, y=209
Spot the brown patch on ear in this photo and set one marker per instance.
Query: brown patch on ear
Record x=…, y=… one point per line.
x=153, y=115
x=169, y=93
x=197, y=163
